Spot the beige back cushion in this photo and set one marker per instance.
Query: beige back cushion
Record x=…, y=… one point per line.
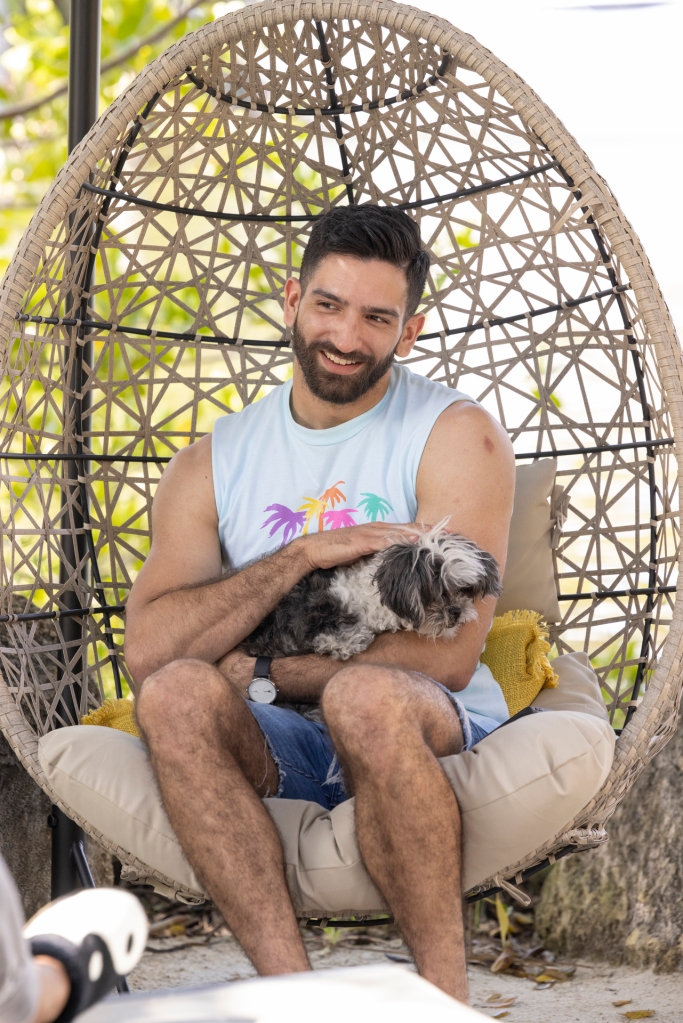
x=529, y=580
x=516, y=789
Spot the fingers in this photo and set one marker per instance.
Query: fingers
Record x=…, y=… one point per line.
x=338, y=547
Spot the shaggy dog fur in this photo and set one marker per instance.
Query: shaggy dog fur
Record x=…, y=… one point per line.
x=428, y=586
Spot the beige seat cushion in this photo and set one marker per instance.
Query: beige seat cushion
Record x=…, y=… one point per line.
x=529, y=580
x=516, y=789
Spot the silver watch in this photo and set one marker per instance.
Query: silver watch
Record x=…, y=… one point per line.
x=261, y=689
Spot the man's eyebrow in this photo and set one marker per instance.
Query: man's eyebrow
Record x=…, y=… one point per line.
x=374, y=309
x=328, y=294
x=381, y=311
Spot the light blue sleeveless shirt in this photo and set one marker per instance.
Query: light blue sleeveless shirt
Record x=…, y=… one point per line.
x=275, y=480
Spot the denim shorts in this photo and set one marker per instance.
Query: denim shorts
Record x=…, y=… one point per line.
x=305, y=757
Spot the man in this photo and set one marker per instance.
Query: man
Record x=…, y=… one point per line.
x=278, y=490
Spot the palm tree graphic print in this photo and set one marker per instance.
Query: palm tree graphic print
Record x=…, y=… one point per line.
x=324, y=512
x=375, y=507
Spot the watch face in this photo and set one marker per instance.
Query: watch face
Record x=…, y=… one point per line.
x=261, y=690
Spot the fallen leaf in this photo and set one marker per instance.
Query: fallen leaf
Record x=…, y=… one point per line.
x=542, y=987
x=176, y=929
x=160, y=927
x=638, y=1014
x=559, y=974
x=504, y=961
x=545, y=978
x=503, y=920
x=622, y=1001
x=500, y=1015
x=493, y=998
x=500, y=1001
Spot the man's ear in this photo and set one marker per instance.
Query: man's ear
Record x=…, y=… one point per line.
x=411, y=331
x=292, y=299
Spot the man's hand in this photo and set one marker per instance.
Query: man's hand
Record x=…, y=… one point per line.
x=344, y=546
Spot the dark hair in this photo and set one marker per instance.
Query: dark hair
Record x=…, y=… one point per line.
x=370, y=232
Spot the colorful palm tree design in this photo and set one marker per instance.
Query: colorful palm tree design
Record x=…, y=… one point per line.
x=341, y=518
x=286, y=519
x=312, y=508
x=375, y=507
x=315, y=507
x=333, y=494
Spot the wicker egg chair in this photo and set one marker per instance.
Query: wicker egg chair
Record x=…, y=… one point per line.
x=144, y=301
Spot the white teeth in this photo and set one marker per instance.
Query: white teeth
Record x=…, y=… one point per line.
x=340, y=362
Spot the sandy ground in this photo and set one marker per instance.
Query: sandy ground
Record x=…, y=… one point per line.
x=587, y=998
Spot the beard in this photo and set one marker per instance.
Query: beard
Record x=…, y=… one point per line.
x=333, y=387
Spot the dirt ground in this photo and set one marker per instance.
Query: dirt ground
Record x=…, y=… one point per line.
x=587, y=997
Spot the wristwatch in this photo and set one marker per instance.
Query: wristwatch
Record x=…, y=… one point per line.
x=261, y=689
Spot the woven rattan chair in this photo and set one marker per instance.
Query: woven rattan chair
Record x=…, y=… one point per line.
x=144, y=301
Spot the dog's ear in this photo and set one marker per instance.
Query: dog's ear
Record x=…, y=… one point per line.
x=407, y=582
x=489, y=583
x=469, y=570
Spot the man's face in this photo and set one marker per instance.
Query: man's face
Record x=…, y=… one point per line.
x=348, y=326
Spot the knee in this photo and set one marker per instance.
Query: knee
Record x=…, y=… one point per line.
x=173, y=698
x=366, y=706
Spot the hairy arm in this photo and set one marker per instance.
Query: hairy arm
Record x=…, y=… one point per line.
x=467, y=473
x=180, y=606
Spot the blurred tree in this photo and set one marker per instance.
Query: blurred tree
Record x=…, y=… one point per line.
x=623, y=902
x=34, y=56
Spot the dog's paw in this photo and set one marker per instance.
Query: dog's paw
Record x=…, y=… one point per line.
x=342, y=645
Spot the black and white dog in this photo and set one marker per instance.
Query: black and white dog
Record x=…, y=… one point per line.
x=428, y=586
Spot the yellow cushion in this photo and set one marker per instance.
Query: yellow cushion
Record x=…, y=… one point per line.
x=516, y=652
x=118, y=714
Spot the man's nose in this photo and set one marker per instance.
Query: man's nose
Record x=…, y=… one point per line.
x=347, y=335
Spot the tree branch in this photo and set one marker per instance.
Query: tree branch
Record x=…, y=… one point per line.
x=20, y=109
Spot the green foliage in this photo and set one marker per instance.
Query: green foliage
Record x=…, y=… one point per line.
x=35, y=63
x=553, y=397
x=621, y=678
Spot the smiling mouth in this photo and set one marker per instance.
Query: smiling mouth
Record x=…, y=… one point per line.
x=338, y=361
x=336, y=365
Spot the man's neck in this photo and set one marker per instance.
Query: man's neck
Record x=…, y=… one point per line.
x=315, y=414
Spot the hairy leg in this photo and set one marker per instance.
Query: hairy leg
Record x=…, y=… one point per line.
x=389, y=727
x=213, y=767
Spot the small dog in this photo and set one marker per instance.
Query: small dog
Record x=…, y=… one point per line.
x=428, y=586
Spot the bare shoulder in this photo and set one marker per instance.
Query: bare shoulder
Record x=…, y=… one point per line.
x=193, y=460
x=473, y=431
x=467, y=472
x=185, y=546
x=188, y=479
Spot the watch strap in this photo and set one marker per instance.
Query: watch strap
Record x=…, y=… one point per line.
x=262, y=667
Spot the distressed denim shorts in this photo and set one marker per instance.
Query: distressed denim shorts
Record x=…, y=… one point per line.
x=305, y=757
